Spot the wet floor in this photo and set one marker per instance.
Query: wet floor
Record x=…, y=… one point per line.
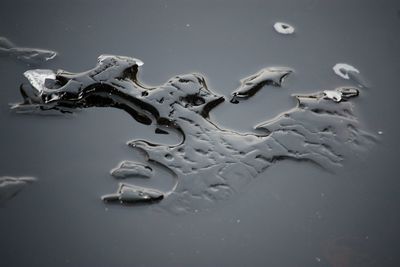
x=292, y=214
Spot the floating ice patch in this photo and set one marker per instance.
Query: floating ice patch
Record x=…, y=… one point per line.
x=106, y=58
x=38, y=78
x=334, y=95
x=252, y=84
x=343, y=70
x=11, y=186
x=32, y=55
x=341, y=93
x=28, y=55
x=283, y=28
x=5, y=43
x=131, y=169
x=127, y=193
x=210, y=162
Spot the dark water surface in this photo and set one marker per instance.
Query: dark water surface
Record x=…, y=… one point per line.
x=293, y=214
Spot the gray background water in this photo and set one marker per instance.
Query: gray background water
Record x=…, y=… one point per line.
x=286, y=217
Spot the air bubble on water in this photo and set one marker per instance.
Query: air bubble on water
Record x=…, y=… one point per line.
x=283, y=28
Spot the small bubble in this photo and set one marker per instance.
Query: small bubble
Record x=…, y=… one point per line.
x=380, y=132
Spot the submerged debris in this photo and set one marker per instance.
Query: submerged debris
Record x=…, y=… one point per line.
x=134, y=194
x=252, y=84
x=11, y=186
x=28, y=55
x=283, y=28
x=131, y=169
x=344, y=69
